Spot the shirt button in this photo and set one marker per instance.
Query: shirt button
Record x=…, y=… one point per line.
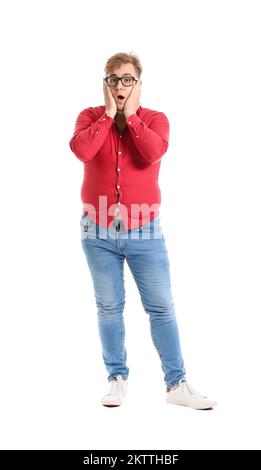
x=119, y=153
x=119, y=203
x=120, y=136
x=118, y=186
x=97, y=132
x=103, y=119
x=137, y=136
x=118, y=169
x=129, y=122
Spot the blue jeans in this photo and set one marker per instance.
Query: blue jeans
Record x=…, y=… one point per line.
x=145, y=252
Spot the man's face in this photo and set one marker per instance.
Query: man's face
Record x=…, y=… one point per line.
x=120, y=89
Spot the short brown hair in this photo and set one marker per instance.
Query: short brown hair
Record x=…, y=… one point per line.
x=123, y=58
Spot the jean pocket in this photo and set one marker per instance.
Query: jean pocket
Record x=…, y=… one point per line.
x=88, y=227
x=152, y=229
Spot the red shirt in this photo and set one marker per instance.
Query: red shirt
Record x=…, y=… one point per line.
x=123, y=167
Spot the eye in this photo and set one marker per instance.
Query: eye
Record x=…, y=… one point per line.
x=127, y=80
x=112, y=81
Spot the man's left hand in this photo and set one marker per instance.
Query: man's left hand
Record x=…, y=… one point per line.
x=133, y=101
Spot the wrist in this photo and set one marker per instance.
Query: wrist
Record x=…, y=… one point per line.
x=110, y=113
x=129, y=113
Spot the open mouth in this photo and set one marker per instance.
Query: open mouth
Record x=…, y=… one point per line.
x=120, y=97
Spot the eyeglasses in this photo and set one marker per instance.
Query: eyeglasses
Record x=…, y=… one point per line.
x=126, y=81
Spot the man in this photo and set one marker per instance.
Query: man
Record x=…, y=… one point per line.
x=121, y=145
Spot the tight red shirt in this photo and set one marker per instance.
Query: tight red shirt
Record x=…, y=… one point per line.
x=120, y=168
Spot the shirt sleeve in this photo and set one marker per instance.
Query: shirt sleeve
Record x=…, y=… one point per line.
x=89, y=135
x=151, y=140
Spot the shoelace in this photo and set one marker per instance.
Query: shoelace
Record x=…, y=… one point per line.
x=192, y=390
x=113, y=386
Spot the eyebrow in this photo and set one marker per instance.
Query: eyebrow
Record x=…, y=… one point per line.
x=114, y=74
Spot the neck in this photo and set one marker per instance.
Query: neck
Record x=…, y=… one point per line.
x=120, y=117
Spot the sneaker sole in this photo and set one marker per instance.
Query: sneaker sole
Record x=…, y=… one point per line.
x=110, y=403
x=191, y=406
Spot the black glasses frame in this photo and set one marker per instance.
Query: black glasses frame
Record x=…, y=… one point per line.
x=120, y=78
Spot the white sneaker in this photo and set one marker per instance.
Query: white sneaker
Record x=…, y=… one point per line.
x=116, y=393
x=185, y=395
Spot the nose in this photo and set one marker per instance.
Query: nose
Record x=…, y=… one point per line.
x=119, y=86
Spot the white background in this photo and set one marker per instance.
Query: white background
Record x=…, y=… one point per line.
x=201, y=63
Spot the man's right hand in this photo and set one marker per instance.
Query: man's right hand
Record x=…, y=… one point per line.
x=110, y=103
